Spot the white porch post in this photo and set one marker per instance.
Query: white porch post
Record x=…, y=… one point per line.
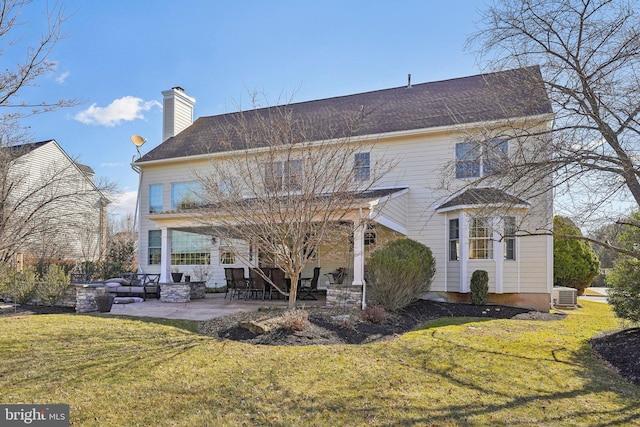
x=358, y=254
x=464, y=252
x=498, y=256
x=165, y=257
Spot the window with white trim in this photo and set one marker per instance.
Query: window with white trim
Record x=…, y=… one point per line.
x=154, y=246
x=474, y=160
x=190, y=248
x=185, y=195
x=227, y=256
x=155, y=198
x=362, y=166
x=509, y=238
x=286, y=175
x=454, y=239
x=480, y=239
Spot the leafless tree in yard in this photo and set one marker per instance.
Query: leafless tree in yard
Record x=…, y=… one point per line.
x=589, y=57
x=286, y=187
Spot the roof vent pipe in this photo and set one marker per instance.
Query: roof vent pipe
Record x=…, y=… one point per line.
x=409, y=81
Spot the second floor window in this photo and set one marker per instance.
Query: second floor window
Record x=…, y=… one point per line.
x=286, y=175
x=362, y=167
x=155, y=198
x=474, y=160
x=185, y=195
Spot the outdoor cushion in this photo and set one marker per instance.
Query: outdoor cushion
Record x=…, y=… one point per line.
x=118, y=280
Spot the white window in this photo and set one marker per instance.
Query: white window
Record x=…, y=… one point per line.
x=190, y=248
x=454, y=239
x=362, y=167
x=155, y=198
x=227, y=257
x=286, y=175
x=474, y=160
x=480, y=239
x=155, y=247
x=509, y=238
x=186, y=195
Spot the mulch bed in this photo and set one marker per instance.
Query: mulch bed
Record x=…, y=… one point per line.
x=621, y=351
x=341, y=326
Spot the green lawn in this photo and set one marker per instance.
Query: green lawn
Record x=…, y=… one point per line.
x=124, y=372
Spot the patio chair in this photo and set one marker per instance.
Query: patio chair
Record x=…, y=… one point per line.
x=228, y=275
x=312, y=287
x=337, y=277
x=256, y=284
x=278, y=279
x=240, y=283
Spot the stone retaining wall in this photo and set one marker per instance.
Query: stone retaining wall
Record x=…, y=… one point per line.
x=344, y=296
x=175, y=292
x=86, y=296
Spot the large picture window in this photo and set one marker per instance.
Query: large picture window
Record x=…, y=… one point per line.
x=480, y=239
x=155, y=247
x=190, y=248
x=185, y=195
x=155, y=198
x=474, y=160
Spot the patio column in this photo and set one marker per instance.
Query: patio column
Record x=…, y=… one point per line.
x=358, y=254
x=165, y=257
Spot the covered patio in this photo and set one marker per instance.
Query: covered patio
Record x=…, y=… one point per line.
x=212, y=306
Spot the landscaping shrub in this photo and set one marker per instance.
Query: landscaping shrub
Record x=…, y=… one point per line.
x=479, y=287
x=54, y=285
x=399, y=273
x=624, y=290
x=374, y=314
x=24, y=286
x=295, y=319
x=575, y=264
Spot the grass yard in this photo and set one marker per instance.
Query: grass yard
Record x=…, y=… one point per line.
x=124, y=372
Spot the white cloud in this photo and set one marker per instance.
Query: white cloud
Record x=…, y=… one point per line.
x=62, y=77
x=111, y=165
x=127, y=108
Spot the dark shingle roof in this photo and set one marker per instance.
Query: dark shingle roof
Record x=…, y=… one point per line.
x=16, y=151
x=495, y=96
x=482, y=196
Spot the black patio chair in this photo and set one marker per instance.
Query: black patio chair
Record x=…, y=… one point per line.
x=240, y=283
x=256, y=284
x=306, y=291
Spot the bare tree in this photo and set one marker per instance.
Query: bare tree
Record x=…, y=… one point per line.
x=284, y=187
x=589, y=56
x=36, y=63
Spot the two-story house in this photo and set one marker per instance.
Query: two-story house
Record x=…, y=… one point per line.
x=51, y=207
x=430, y=131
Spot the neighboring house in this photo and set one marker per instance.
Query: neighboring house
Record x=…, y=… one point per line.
x=52, y=208
x=425, y=128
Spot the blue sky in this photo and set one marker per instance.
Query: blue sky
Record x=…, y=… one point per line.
x=118, y=56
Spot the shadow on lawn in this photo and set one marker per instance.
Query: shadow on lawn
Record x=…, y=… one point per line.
x=98, y=348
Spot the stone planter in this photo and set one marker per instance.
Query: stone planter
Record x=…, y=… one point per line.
x=104, y=303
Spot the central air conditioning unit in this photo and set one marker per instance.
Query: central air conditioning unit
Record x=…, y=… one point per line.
x=564, y=297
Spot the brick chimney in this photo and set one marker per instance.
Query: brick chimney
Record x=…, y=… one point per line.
x=177, y=112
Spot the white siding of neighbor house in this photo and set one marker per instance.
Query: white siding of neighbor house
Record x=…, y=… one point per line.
x=78, y=216
x=420, y=164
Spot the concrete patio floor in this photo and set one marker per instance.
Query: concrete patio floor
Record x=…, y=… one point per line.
x=212, y=306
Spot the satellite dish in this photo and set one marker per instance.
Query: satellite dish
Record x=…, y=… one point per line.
x=138, y=140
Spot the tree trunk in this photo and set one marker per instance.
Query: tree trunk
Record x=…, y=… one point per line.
x=293, y=291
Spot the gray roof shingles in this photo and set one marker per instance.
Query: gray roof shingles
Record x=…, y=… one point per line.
x=482, y=196
x=484, y=97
